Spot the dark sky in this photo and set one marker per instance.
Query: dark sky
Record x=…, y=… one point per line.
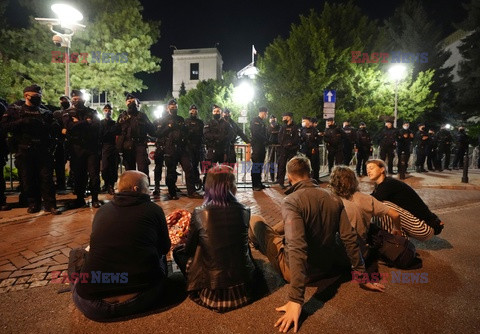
x=236, y=25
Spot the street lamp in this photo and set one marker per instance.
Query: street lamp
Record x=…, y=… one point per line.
x=68, y=18
x=243, y=94
x=397, y=73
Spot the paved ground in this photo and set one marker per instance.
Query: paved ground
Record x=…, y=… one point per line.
x=34, y=246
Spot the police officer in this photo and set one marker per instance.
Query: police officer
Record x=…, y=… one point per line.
x=461, y=144
x=404, y=142
x=217, y=134
x=444, y=141
x=388, y=142
x=289, y=141
x=259, y=144
x=334, y=138
x=363, y=144
x=422, y=140
x=110, y=157
x=310, y=139
x=348, y=141
x=34, y=129
x=172, y=129
x=159, y=155
x=132, y=141
x=195, y=145
x=3, y=158
x=272, y=135
x=60, y=155
x=237, y=132
x=432, y=151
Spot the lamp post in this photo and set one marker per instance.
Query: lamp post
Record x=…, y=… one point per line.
x=67, y=18
x=397, y=73
x=243, y=94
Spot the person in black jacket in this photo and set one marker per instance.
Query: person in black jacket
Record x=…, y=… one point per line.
x=60, y=156
x=388, y=141
x=195, y=142
x=422, y=141
x=259, y=143
x=334, y=138
x=461, y=143
x=110, y=158
x=363, y=144
x=348, y=142
x=83, y=133
x=404, y=142
x=3, y=158
x=237, y=132
x=217, y=134
x=126, y=266
x=289, y=140
x=221, y=274
x=272, y=134
x=172, y=129
x=444, y=140
x=34, y=128
x=309, y=145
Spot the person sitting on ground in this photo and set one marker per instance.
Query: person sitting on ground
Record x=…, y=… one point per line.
x=129, y=241
x=360, y=207
x=308, y=250
x=417, y=221
x=221, y=272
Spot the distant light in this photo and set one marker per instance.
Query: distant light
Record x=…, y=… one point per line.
x=448, y=126
x=86, y=95
x=100, y=115
x=397, y=72
x=243, y=93
x=158, y=111
x=67, y=13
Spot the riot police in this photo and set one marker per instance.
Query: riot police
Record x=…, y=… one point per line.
x=348, y=142
x=3, y=158
x=132, y=140
x=110, y=157
x=404, y=142
x=388, y=142
x=195, y=145
x=334, y=138
x=310, y=140
x=237, y=132
x=289, y=141
x=461, y=145
x=34, y=130
x=432, y=151
x=444, y=142
x=60, y=157
x=422, y=140
x=259, y=144
x=83, y=133
x=172, y=129
x=272, y=134
x=217, y=134
x=363, y=144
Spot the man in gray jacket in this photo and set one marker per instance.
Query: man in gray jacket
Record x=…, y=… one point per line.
x=307, y=249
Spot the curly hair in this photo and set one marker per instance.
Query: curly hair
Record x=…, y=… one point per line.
x=343, y=181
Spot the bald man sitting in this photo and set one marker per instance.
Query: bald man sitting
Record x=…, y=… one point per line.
x=125, y=268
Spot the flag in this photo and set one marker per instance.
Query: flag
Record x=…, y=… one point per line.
x=254, y=52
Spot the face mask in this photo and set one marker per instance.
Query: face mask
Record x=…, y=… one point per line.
x=285, y=121
x=132, y=107
x=65, y=105
x=36, y=100
x=173, y=112
x=193, y=116
x=226, y=117
x=78, y=103
x=405, y=127
x=273, y=123
x=216, y=116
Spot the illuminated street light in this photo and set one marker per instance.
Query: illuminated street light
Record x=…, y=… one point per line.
x=243, y=93
x=397, y=73
x=158, y=111
x=67, y=15
x=86, y=95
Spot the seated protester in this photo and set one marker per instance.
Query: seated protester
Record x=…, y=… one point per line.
x=220, y=272
x=129, y=237
x=309, y=250
x=360, y=207
x=417, y=221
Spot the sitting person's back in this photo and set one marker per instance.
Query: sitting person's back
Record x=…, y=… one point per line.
x=220, y=270
x=126, y=261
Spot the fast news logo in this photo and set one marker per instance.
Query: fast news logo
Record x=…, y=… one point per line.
x=383, y=57
x=96, y=277
x=396, y=277
x=96, y=57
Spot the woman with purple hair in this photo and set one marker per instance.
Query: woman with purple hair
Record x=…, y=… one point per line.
x=216, y=259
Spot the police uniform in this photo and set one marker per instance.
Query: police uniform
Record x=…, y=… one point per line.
x=195, y=145
x=422, y=140
x=110, y=157
x=444, y=140
x=363, y=143
x=259, y=145
x=310, y=140
x=217, y=134
x=159, y=155
x=388, y=142
x=272, y=134
x=60, y=157
x=3, y=157
x=404, y=142
x=237, y=132
x=432, y=151
x=348, y=143
x=34, y=131
x=289, y=140
x=461, y=143
x=132, y=141
x=334, y=137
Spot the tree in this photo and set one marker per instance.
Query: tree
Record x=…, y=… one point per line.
x=182, y=91
x=112, y=28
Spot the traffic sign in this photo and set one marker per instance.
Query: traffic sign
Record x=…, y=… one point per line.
x=242, y=119
x=329, y=95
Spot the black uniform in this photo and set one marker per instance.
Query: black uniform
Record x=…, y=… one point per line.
x=237, y=132
x=289, y=141
x=110, y=157
x=3, y=156
x=272, y=135
x=388, y=141
x=159, y=155
x=363, y=143
x=404, y=143
x=195, y=145
x=132, y=140
x=60, y=157
x=348, y=143
x=310, y=139
x=461, y=144
x=172, y=129
x=217, y=135
x=259, y=145
x=34, y=131
x=334, y=137
x=432, y=152
x=84, y=141
x=444, y=142
x=422, y=140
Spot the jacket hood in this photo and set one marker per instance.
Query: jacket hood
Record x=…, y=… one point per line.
x=130, y=198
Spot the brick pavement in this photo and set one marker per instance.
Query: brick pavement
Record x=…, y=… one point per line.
x=32, y=247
